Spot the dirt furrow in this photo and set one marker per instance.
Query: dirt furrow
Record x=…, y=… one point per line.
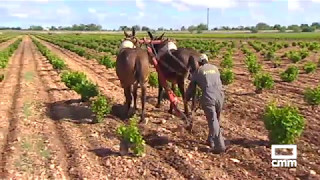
x=11, y=106
x=31, y=155
x=81, y=163
x=57, y=161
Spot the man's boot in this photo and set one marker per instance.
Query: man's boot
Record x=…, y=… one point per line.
x=210, y=143
x=219, y=144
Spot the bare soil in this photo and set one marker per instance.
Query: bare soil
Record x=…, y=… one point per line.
x=37, y=108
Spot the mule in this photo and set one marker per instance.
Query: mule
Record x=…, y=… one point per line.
x=175, y=65
x=132, y=69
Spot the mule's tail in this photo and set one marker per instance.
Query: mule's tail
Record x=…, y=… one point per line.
x=138, y=73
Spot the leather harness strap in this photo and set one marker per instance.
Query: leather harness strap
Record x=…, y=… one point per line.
x=165, y=50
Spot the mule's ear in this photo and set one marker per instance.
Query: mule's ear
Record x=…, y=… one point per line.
x=133, y=32
x=150, y=35
x=161, y=35
x=125, y=33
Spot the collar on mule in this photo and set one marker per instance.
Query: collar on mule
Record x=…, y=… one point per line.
x=166, y=49
x=127, y=44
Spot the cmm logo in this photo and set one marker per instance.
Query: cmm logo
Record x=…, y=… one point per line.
x=284, y=160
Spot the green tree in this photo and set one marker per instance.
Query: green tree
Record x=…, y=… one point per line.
x=294, y=28
x=136, y=27
x=308, y=29
x=316, y=25
x=202, y=27
x=240, y=28
x=277, y=27
x=36, y=28
x=53, y=28
x=225, y=28
x=145, y=28
x=262, y=26
x=192, y=28
x=124, y=28
x=282, y=29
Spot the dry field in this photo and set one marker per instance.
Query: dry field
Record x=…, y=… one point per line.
x=46, y=132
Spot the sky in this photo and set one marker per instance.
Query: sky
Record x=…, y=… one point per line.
x=111, y=14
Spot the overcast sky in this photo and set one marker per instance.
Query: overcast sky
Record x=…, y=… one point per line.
x=157, y=13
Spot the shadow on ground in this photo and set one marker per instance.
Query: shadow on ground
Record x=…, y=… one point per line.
x=249, y=143
x=156, y=141
x=104, y=152
x=120, y=111
x=72, y=110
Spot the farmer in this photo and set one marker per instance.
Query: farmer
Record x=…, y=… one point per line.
x=207, y=77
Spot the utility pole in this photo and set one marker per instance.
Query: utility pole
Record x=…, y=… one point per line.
x=208, y=19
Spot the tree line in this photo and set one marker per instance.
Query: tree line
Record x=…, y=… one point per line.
x=258, y=27
x=193, y=28
x=75, y=27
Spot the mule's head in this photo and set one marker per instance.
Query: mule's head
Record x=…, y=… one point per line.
x=130, y=40
x=165, y=44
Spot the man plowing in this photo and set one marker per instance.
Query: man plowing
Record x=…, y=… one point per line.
x=207, y=77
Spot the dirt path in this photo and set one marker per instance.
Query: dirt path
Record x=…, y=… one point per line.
x=10, y=88
x=80, y=162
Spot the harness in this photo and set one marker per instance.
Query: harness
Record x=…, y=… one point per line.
x=167, y=49
x=127, y=44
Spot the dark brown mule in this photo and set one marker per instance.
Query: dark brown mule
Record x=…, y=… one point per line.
x=132, y=68
x=175, y=64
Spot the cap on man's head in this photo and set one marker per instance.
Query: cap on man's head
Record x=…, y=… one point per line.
x=203, y=58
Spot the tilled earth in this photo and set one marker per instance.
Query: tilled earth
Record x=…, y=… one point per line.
x=45, y=132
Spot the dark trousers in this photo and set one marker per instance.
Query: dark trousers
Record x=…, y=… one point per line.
x=212, y=112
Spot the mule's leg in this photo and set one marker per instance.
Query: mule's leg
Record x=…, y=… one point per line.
x=182, y=90
x=143, y=101
x=127, y=92
x=135, y=90
x=173, y=87
x=160, y=94
x=193, y=105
